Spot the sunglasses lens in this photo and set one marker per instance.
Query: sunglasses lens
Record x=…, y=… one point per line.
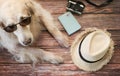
x=25, y=21
x=10, y=28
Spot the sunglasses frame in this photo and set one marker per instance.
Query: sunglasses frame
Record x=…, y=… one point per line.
x=22, y=23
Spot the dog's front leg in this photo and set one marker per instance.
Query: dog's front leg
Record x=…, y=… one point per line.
x=47, y=19
x=26, y=55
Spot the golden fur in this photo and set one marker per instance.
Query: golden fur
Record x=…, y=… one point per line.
x=10, y=12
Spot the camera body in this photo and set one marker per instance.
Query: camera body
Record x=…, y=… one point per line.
x=75, y=6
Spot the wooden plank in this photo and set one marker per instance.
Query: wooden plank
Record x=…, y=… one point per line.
x=53, y=70
x=16, y=70
x=106, y=21
x=45, y=37
x=72, y=70
x=103, y=21
x=59, y=6
x=72, y=67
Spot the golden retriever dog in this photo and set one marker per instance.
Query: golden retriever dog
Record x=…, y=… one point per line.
x=20, y=25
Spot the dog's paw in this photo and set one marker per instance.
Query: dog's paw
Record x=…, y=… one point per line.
x=54, y=59
x=63, y=41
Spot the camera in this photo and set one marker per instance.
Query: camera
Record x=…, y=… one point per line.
x=75, y=6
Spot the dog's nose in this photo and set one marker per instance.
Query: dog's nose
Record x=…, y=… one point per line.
x=28, y=41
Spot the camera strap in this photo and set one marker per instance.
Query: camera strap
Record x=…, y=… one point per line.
x=101, y=5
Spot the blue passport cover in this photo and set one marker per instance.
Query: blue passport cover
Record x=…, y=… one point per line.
x=69, y=22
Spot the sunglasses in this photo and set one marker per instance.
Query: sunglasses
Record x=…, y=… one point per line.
x=24, y=21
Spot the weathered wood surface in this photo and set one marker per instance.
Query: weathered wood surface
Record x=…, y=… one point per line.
x=105, y=18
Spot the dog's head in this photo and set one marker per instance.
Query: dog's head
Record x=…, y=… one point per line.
x=16, y=18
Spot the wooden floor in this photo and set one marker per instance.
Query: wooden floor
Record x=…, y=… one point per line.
x=105, y=18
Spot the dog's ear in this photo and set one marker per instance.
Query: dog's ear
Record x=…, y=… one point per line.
x=31, y=10
x=34, y=7
x=30, y=7
x=1, y=24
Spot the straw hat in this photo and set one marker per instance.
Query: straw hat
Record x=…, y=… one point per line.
x=92, y=49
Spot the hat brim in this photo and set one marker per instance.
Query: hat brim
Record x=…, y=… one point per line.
x=79, y=62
